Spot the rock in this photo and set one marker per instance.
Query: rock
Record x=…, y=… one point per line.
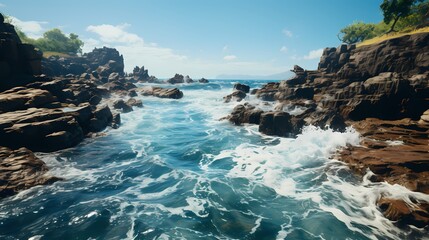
x=242, y=87
x=174, y=93
x=245, y=114
x=132, y=93
x=141, y=74
x=116, y=120
x=121, y=104
x=203, y=80
x=424, y=119
x=33, y=129
x=267, y=92
x=102, y=117
x=18, y=61
x=236, y=95
x=113, y=77
x=188, y=79
x=176, y=79
x=94, y=100
x=135, y=102
x=22, y=98
x=20, y=170
x=276, y=123
x=403, y=214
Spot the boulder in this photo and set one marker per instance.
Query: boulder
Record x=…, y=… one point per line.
x=188, y=79
x=276, y=123
x=245, y=114
x=236, y=95
x=121, y=104
x=403, y=213
x=203, y=80
x=20, y=98
x=242, y=87
x=135, y=102
x=176, y=79
x=39, y=130
x=20, y=170
x=102, y=117
x=174, y=93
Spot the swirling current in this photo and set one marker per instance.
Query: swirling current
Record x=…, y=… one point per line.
x=174, y=171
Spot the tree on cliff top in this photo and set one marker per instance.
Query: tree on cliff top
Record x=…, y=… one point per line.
x=53, y=40
x=393, y=10
x=56, y=41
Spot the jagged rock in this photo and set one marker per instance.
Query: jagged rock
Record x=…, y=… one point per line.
x=20, y=170
x=276, y=123
x=236, y=95
x=121, y=104
x=403, y=213
x=113, y=77
x=132, y=93
x=188, y=79
x=174, y=93
x=245, y=114
x=35, y=129
x=176, y=79
x=18, y=61
x=22, y=98
x=242, y=87
x=203, y=80
x=140, y=74
x=102, y=118
x=135, y=102
x=424, y=118
x=116, y=120
x=104, y=60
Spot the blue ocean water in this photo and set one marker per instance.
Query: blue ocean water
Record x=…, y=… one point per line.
x=174, y=171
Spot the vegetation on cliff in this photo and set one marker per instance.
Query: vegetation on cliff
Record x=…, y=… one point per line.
x=53, y=41
x=400, y=16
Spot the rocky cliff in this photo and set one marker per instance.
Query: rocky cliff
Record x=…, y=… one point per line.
x=18, y=61
x=382, y=90
x=100, y=61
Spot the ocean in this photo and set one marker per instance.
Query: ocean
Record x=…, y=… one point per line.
x=173, y=170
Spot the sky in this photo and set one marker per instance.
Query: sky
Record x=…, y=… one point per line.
x=200, y=38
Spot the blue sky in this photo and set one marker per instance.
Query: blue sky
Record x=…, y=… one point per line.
x=200, y=38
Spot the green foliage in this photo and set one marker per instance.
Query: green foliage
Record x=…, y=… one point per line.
x=393, y=10
x=56, y=41
x=357, y=32
x=406, y=15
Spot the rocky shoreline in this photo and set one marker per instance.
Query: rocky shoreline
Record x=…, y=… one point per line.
x=382, y=91
x=51, y=104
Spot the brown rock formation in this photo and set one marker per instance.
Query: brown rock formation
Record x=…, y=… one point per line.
x=382, y=90
x=174, y=93
x=20, y=170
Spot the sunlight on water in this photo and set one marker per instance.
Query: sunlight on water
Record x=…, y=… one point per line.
x=174, y=171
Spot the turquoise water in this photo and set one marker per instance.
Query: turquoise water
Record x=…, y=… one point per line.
x=174, y=171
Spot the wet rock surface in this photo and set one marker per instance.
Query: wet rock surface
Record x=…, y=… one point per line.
x=20, y=169
x=382, y=91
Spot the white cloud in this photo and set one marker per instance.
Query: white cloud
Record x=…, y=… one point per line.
x=33, y=29
x=2, y=5
x=314, y=54
x=230, y=57
x=164, y=62
x=283, y=49
x=114, y=34
x=287, y=33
